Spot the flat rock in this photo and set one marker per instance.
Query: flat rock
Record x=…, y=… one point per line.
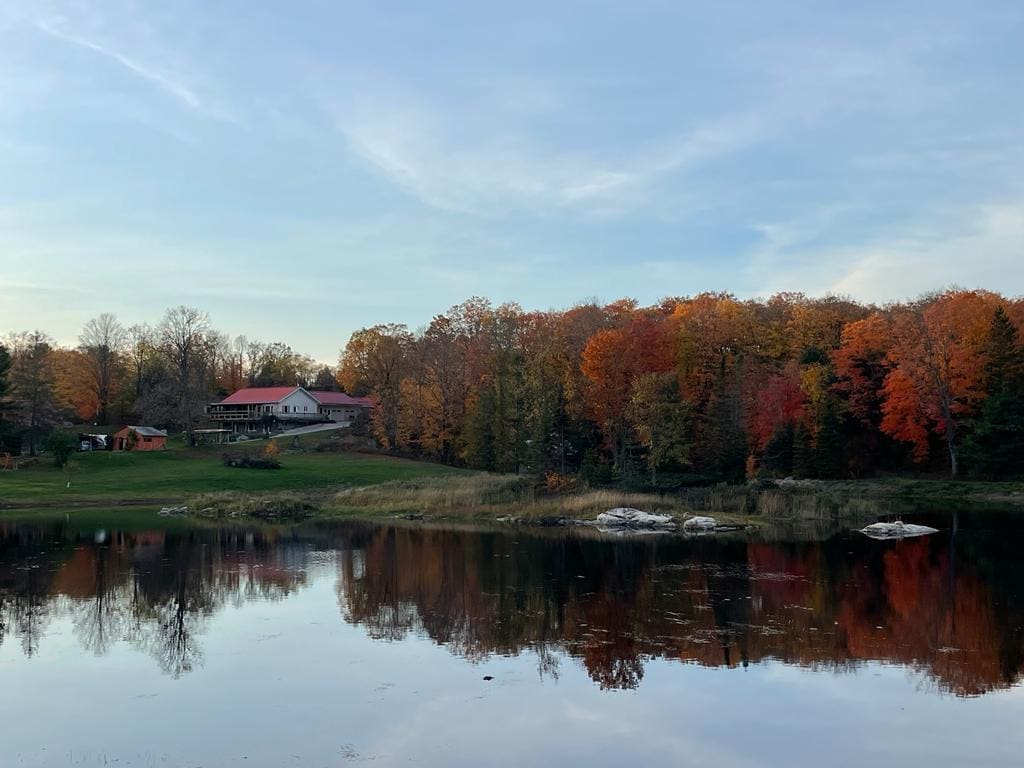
x=700, y=523
x=897, y=530
x=629, y=518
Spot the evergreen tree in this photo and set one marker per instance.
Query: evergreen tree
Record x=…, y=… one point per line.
x=995, y=448
x=828, y=448
x=725, y=438
x=1005, y=364
x=803, y=452
x=778, y=452
x=479, y=433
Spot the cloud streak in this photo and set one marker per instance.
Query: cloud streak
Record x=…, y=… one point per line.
x=162, y=80
x=501, y=170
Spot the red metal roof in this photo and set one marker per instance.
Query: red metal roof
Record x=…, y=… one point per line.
x=258, y=395
x=340, y=398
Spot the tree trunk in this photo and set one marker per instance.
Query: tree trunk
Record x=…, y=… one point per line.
x=951, y=443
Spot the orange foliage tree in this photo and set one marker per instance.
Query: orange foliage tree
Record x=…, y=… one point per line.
x=938, y=355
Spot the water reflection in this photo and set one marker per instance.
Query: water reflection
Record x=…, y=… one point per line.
x=951, y=608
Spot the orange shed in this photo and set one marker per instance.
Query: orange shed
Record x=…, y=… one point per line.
x=140, y=439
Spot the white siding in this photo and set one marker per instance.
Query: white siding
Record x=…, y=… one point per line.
x=300, y=402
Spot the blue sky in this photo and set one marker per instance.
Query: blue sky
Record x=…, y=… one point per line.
x=300, y=170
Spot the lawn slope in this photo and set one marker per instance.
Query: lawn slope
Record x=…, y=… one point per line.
x=106, y=478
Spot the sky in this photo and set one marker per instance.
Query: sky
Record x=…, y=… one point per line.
x=301, y=170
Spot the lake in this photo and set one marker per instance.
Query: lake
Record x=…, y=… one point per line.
x=141, y=641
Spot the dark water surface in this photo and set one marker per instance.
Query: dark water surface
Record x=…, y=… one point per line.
x=329, y=645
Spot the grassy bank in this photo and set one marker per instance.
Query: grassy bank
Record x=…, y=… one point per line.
x=472, y=498
x=119, y=479
x=486, y=498
x=331, y=484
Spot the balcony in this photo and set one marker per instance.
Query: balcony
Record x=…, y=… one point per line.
x=228, y=414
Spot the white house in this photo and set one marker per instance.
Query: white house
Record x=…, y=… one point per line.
x=263, y=409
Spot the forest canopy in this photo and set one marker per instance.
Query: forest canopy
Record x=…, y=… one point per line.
x=691, y=389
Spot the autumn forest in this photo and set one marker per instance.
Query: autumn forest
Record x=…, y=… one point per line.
x=705, y=387
x=689, y=390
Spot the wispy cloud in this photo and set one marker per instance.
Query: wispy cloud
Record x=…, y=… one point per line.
x=162, y=79
x=499, y=169
x=979, y=246
x=986, y=250
x=470, y=154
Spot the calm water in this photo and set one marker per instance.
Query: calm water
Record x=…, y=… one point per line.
x=332, y=645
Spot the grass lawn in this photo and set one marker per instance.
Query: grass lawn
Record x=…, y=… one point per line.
x=172, y=475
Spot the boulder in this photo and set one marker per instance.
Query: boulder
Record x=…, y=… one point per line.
x=173, y=511
x=700, y=523
x=634, y=519
x=897, y=530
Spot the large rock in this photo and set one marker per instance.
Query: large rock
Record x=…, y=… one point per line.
x=634, y=519
x=700, y=523
x=897, y=530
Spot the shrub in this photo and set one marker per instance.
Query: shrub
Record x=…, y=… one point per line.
x=247, y=461
x=62, y=445
x=266, y=506
x=555, y=482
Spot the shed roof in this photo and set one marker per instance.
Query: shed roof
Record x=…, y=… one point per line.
x=147, y=431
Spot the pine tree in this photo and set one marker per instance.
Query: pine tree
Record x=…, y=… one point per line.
x=479, y=434
x=828, y=447
x=777, y=458
x=1005, y=357
x=995, y=448
x=725, y=437
x=803, y=452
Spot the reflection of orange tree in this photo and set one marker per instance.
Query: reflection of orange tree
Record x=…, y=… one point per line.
x=929, y=620
x=612, y=606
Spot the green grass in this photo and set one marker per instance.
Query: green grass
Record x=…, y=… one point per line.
x=123, y=478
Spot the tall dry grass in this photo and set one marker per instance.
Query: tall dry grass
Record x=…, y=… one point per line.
x=482, y=495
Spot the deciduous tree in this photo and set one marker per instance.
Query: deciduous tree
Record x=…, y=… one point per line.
x=101, y=342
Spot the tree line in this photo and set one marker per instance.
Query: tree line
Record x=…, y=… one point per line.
x=162, y=374
x=690, y=389
x=704, y=387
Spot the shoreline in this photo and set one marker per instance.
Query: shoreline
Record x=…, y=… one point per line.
x=490, y=501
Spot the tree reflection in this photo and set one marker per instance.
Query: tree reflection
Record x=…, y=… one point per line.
x=614, y=605
x=151, y=590
x=951, y=608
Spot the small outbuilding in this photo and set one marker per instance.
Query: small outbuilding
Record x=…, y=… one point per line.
x=133, y=438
